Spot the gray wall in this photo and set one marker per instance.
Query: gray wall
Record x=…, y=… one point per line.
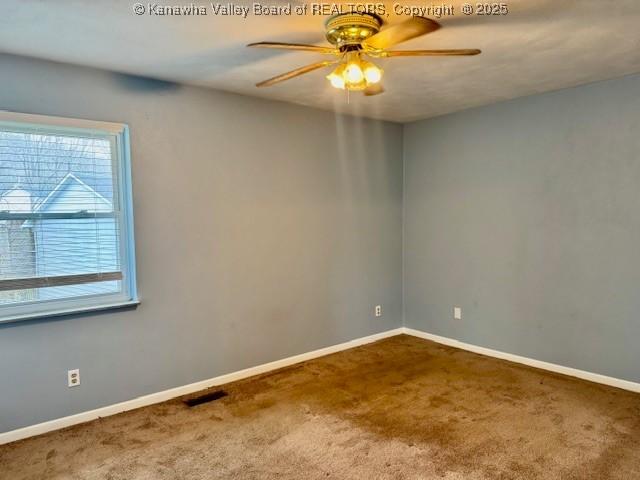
x=527, y=215
x=263, y=230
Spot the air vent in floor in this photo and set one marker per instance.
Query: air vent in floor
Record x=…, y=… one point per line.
x=206, y=398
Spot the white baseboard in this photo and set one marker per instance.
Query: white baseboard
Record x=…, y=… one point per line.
x=552, y=367
x=165, y=395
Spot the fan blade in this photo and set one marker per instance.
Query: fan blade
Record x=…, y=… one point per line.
x=401, y=32
x=429, y=53
x=375, y=89
x=295, y=46
x=295, y=73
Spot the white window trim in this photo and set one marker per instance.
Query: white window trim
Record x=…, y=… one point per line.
x=118, y=133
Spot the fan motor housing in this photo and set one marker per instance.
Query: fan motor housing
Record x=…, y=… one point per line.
x=348, y=29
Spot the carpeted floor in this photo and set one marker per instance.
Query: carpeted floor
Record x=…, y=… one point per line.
x=401, y=408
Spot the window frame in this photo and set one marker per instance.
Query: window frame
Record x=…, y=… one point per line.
x=118, y=136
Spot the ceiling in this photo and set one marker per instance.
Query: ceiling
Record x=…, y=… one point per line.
x=540, y=45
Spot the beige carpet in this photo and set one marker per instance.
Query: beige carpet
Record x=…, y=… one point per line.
x=401, y=408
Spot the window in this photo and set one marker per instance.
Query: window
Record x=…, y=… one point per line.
x=66, y=236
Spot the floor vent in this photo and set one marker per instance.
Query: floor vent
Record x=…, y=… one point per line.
x=206, y=398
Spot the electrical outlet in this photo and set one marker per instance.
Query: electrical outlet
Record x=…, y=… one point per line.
x=378, y=310
x=73, y=378
x=457, y=313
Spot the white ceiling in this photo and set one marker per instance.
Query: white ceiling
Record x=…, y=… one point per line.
x=540, y=45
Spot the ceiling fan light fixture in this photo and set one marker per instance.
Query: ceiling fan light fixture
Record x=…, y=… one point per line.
x=336, y=78
x=356, y=36
x=372, y=73
x=355, y=74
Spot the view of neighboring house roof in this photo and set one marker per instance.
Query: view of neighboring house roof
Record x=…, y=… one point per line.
x=98, y=187
x=16, y=200
x=96, y=194
x=101, y=183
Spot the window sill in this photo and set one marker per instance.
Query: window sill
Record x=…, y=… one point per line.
x=70, y=311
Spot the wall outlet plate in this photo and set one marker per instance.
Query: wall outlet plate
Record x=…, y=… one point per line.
x=457, y=313
x=378, y=310
x=73, y=378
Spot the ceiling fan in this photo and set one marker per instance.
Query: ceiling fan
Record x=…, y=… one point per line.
x=354, y=37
